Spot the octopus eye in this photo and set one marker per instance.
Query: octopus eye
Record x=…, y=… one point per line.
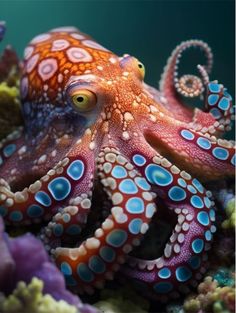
x=141, y=69
x=84, y=100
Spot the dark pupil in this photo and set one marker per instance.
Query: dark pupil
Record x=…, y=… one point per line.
x=80, y=99
x=140, y=65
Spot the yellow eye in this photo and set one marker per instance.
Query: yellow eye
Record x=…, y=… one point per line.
x=84, y=100
x=141, y=69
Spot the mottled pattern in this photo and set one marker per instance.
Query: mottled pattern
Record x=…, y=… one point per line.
x=89, y=117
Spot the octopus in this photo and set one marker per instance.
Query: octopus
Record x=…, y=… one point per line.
x=92, y=123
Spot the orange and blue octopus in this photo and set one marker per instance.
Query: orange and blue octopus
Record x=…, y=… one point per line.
x=91, y=120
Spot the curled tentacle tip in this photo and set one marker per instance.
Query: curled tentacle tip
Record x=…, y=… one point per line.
x=189, y=86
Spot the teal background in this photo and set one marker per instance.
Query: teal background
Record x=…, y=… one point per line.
x=149, y=30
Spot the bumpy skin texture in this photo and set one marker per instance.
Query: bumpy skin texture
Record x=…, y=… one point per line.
x=143, y=145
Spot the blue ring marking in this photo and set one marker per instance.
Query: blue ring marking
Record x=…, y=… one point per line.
x=59, y=188
x=66, y=269
x=43, y=198
x=224, y=104
x=76, y=169
x=216, y=113
x=233, y=160
x=197, y=245
x=212, y=99
x=1, y=160
x=208, y=235
x=207, y=202
x=70, y=281
x=35, y=211
x=142, y=183
x=58, y=230
x=3, y=211
x=214, y=87
x=212, y=215
x=66, y=217
x=164, y=273
x=182, y=182
x=204, y=143
x=9, y=150
x=198, y=185
x=226, y=94
x=117, y=237
x=73, y=230
x=97, y=265
x=157, y=175
x=150, y=210
x=85, y=273
x=119, y=172
x=163, y=287
x=176, y=193
x=107, y=253
x=139, y=160
x=186, y=134
x=135, y=226
x=220, y=153
x=16, y=216
x=135, y=205
x=203, y=218
x=183, y=273
x=191, y=189
x=127, y=186
x=197, y=202
x=194, y=262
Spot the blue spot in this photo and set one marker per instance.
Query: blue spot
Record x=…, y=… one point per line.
x=142, y=183
x=16, y=216
x=197, y=245
x=204, y=143
x=207, y=202
x=164, y=273
x=128, y=186
x=182, y=182
x=96, y=264
x=183, y=273
x=203, y=218
x=119, y=172
x=187, y=134
x=43, y=198
x=150, y=210
x=76, y=169
x=208, y=235
x=58, y=230
x=195, y=262
x=35, y=211
x=192, y=189
x=220, y=153
x=177, y=194
x=233, y=160
x=158, y=175
x=66, y=217
x=66, y=269
x=197, y=202
x=163, y=287
x=85, y=273
x=212, y=99
x=198, y=185
x=224, y=104
x=9, y=150
x=3, y=211
x=216, y=113
x=59, y=188
x=214, y=87
x=139, y=160
x=135, y=225
x=73, y=230
x=107, y=253
x=212, y=215
x=117, y=237
x=135, y=205
x=70, y=281
x=226, y=94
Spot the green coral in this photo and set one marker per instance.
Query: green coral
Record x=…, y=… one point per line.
x=29, y=298
x=119, y=301
x=229, y=222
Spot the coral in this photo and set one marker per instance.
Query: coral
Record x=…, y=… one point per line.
x=229, y=222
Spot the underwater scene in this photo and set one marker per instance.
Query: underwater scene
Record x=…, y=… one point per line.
x=117, y=157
